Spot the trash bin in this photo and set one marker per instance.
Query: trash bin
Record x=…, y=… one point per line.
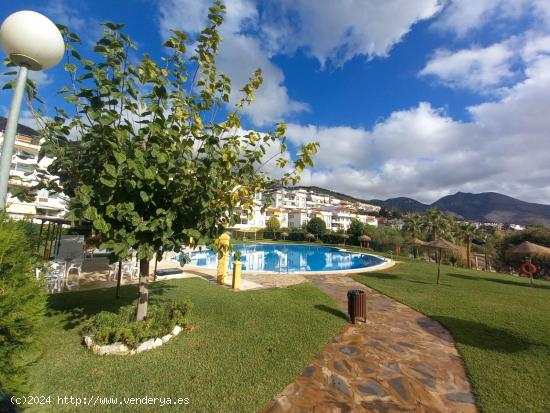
x=357, y=305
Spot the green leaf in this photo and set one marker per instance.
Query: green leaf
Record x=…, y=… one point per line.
x=69, y=67
x=144, y=196
x=111, y=170
x=120, y=157
x=111, y=183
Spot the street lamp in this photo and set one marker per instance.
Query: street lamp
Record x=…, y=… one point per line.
x=33, y=42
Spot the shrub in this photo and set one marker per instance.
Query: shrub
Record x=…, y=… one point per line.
x=273, y=224
x=299, y=235
x=331, y=238
x=316, y=226
x=109, y=328
x=22, y=305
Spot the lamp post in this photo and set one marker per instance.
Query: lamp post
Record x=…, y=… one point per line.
x=33, y=42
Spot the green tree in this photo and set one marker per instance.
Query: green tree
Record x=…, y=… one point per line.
x=413, y=226
x=316, y=226
x=22, y=305
x=154, y=168
x=356, y=229
x=273, y=224
x=467, y=231
x=435, y=223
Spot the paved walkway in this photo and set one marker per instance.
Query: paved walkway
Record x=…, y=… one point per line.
x=399, y=361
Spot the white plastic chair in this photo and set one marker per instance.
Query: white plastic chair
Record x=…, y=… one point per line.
x=113, y=271
x=130, y=268
x=55, y=276
x=75, y=264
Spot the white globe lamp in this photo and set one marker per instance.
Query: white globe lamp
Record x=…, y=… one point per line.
x=33, y=42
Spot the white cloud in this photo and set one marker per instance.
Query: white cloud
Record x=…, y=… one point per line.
x=240, y=55
x=341, y=30
x=463, y=16
x=327, y=30
x=474, y=68
x=423, y=153
x=40, y=77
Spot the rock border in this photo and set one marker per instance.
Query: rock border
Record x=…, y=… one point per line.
x=121, y=349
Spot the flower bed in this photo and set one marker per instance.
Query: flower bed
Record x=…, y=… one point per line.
x=118, y=333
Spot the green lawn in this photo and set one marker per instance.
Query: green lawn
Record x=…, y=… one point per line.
x=243, y=349
x=500, y=324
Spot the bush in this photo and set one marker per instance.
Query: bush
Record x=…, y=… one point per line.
x=269, y=235
x=22, y=305
x=299, y=235
x=121, y=327
x=316, y=226
x=331, y=238
x=273, y=224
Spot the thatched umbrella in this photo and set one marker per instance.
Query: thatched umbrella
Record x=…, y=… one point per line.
x=344, y=237
x=415, y=243
x=310, y=236
x=284, y=235
x=439, y=245
x=365, y=239
x=528, y=249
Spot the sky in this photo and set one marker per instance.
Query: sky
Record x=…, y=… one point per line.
x=418, y=98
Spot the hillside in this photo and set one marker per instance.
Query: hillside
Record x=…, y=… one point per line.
x=483, y=207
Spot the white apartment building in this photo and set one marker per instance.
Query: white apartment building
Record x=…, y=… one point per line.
x=295, y=207
x=23, y=174
x=298, y=218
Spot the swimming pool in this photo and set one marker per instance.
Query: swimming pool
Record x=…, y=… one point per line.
x=289, y=258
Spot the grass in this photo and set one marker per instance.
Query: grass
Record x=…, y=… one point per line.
x=500, y=324
x=242, y=350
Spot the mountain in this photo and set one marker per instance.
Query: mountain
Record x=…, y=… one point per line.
x=403, y=204
x=483, y=207
x=21, y=129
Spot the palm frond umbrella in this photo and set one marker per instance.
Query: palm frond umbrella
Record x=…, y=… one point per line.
x=439, y=245
x=415, y=243
x=365, y=239
x=310, y=236
x=528, y=249
x=284, y=235
x=344, y=237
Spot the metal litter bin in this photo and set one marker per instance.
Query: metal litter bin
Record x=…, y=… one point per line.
x=357, y=305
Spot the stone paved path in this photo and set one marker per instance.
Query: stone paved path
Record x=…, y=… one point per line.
x=399, y=361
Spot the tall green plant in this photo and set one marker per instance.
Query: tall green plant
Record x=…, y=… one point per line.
x=317, y=227
x=413, y=226
x=467, y=231
x=435, y=223
x=154, y=169
x=22, y=304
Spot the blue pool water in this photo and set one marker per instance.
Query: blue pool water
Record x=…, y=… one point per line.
x=289, y=258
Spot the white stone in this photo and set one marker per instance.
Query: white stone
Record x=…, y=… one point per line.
x=88, y=341
x=166, y=338
x=146, y=345
x=115, y=348
x=176, y=330
x=157, y=343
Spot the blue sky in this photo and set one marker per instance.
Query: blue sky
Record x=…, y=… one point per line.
x=407, y=98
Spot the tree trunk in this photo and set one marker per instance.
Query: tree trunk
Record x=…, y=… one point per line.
x=438, y=257
x=143, y=296
x=468, y=248
x=118, y=278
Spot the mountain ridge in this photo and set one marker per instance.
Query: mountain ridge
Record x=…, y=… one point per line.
x=480, y=207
